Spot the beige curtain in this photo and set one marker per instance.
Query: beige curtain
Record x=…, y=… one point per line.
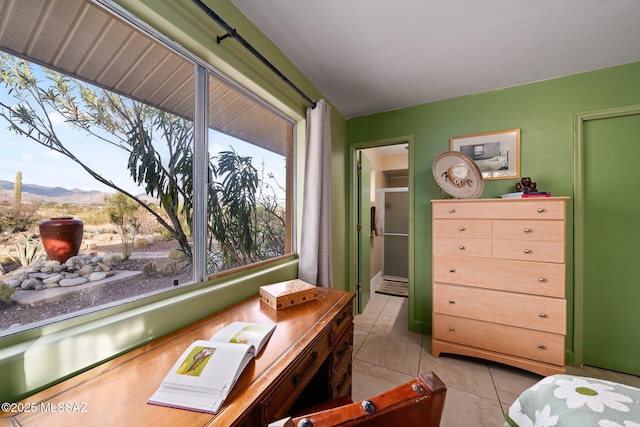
x=315, y=244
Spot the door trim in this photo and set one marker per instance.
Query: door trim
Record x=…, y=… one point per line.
x=353, y=149
x=578, y=218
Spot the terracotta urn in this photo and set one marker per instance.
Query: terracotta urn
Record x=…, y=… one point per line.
x=61, y=237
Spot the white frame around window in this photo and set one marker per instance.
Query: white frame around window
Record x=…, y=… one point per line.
x=201, y=127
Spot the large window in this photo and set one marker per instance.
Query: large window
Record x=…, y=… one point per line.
x=98, y=122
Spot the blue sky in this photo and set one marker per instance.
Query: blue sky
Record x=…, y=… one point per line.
x=45, y=167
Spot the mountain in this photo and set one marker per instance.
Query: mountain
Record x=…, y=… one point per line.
x=39, y=193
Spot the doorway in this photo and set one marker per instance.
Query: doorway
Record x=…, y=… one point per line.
x=607, y=235
x=395, y=232
x=383, y=170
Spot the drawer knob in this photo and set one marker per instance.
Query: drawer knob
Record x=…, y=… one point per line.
x=527, y=230
x=541, y=346
x=542, y=315
x=368, y=406
x=461, y=247
x=452, y=210
x=527, y=251
x=452, y=329
x=540, y=210
x=451, y=301
x=452, y=270
x=541, y=279
x=461, y=228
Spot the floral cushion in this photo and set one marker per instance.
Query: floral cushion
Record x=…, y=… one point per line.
x=566, y=400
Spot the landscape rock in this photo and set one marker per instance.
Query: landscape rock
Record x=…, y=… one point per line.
x=73, y=282
x=47, y=274
x=30, y=283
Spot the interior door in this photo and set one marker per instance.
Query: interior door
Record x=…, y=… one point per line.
x=364, y=231
x=611, y=150
x=396, y=234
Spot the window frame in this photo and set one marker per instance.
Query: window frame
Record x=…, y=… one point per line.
x=124, y=325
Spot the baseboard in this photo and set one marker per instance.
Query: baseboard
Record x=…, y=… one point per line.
x=375, y=282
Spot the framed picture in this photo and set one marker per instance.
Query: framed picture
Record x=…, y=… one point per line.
x=497, y=154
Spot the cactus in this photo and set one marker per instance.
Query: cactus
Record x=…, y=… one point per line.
x=17, y=194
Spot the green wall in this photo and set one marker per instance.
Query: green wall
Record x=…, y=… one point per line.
x=544, y=112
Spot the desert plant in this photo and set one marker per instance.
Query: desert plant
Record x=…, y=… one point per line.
x=123, y=213
x=17, y=194
x=27, y=250
x=6, y=294
x=150, y=269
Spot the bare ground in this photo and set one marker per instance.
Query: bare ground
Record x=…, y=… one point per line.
x=17, y=314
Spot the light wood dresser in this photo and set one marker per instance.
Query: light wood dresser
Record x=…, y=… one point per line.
x=499, y=281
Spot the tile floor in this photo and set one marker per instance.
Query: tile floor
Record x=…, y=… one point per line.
x=386, y=354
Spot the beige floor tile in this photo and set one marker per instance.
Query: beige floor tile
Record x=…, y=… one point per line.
x=462, y=409
x=510, y=382
x=396, y=307
x=391, y=353
x=374, y=306
x=365, y=321
x=394, y=328
x=358, y=339
x=370, y=380
x=376, y=296
x=461, y=373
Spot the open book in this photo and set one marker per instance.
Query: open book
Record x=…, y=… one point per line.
x=205, y=373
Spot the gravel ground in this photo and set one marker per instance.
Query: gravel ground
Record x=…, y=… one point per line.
x=18, y=314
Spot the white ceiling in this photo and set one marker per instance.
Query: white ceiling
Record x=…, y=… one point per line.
x=369, y=56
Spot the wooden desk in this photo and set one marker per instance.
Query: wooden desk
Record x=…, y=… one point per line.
x=307, y=360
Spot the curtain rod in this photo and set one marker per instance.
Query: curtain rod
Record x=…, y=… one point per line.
x=232, y=33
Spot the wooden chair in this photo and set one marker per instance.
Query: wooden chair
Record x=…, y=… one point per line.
x=418, y=402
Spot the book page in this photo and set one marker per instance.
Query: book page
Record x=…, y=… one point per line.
x=209, y=367
x=255, y=334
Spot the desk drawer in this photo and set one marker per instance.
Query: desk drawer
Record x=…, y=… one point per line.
x=536, y=345
x=478, y=228
x=343, y=349
x=527, y=311
x=343, y=320
x=341, y=384
x=296, y=378
x=462, y=246
x=537, y=278
x=529, y=250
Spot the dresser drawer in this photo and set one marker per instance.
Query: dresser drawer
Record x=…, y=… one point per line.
x=501, y=209
x=462, y=246
x=537, y=278
x=536, y=345
x=529, y=250
x=551, y=231
x=478, y=228
x=527, y=311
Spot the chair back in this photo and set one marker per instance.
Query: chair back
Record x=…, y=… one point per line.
x=419, y=402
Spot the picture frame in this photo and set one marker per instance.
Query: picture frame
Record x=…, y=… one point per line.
x=497, y=154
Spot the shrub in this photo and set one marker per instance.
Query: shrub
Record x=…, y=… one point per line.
x=141, y=243
x=150, y=269
x=6, y=294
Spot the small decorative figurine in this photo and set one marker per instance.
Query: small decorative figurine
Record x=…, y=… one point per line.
x=526, y=185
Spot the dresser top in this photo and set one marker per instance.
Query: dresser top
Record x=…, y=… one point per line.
x=501, y=200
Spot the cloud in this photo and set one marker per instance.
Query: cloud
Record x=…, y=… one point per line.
x=56, y=119
x=28, y=157
x=53, y=155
